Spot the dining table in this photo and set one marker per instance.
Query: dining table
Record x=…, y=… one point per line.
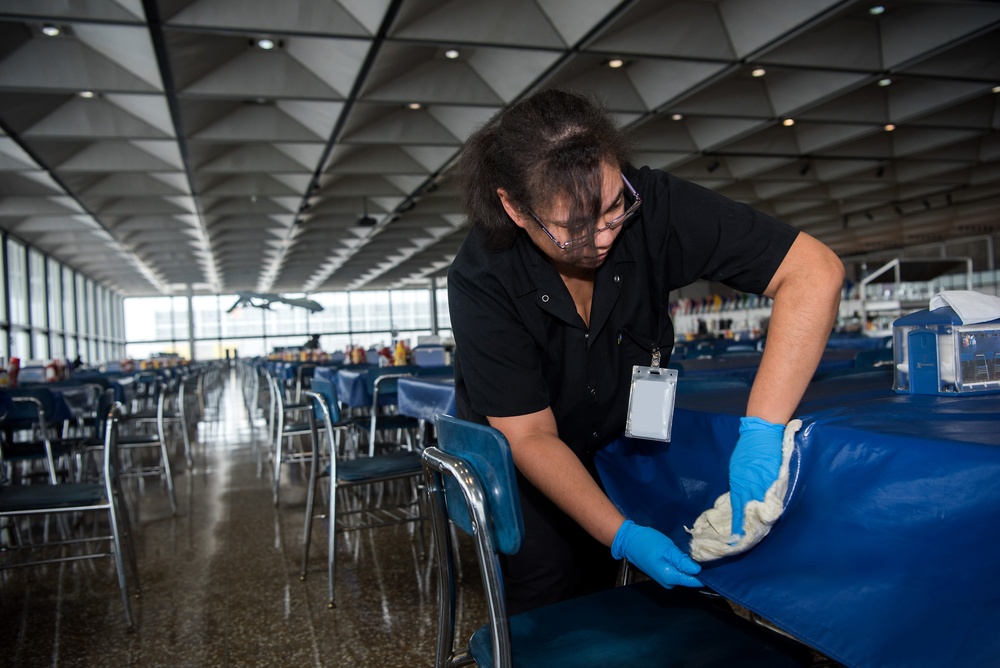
x=426, y=397
x=885, y=552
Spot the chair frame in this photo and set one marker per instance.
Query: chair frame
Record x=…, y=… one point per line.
x=157, y=440
x=63, y=499
x=345, y=474
x=282, y=431
x=47, y=447
x=374, y=417
x=436, y=464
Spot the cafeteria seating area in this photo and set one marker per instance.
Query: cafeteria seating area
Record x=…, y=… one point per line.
x=225, y=472
x=226, y=336
x=220, y=579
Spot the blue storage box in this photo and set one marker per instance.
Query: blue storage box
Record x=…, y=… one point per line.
x=936, y=354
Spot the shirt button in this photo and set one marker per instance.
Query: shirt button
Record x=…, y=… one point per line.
x=593, y=391
x=594, y=436
x=545, y=298
x=586, y=335
x=617, y=279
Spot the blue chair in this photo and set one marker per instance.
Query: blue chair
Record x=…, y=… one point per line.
x=387, y=429
x=471, y=483
x=21, y=503
x=347, y=470
x=31, y=435
x=143, y=441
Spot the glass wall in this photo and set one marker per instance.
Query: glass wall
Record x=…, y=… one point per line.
x=48, y=310
x=224, y=325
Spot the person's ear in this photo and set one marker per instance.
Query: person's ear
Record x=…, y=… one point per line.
x=511, y=209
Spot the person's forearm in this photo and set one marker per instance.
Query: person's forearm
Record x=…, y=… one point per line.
x=803, y=314
x=558, y=473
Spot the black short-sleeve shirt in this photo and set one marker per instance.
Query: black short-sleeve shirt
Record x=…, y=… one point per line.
x=521, y=346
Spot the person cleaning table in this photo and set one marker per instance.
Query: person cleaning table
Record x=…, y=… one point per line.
x=562, y=287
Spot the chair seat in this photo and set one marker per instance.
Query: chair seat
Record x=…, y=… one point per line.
x=20, y=451
x=389, y=465
x=640, y=625
x=20, y=498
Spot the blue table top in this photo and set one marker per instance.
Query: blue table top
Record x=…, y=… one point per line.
x=426, y=398
x=881, y=557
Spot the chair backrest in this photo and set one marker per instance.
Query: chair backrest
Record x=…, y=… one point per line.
x=105, y=402
x=388, y=385
x=486, y=452
x=110, y=421
x=32, y=407
x=326, y=389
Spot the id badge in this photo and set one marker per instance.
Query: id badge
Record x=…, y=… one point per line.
x=651, y=403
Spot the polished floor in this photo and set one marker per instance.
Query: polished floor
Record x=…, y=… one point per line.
x=220, y=581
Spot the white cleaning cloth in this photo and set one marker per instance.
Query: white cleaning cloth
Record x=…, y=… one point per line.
x=972, y=307
x=712, y=537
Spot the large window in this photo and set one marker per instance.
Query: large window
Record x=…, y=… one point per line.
x=368, y=318
x=51, y=311
x=37, y=285
x=17, y=275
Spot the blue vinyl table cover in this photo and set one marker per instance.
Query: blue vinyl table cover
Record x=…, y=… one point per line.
x=426, y=398
x=887, y=552
x=352, y=387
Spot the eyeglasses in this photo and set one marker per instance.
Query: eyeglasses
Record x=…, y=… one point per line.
x=610, y=225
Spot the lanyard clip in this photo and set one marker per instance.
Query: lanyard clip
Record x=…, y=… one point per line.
x=656, y=358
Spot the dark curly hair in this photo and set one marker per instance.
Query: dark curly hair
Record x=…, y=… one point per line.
x=549, y=143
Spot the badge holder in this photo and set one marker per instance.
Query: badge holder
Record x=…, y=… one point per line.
x=651, y=401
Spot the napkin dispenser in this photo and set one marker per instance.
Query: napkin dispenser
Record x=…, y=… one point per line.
x=935, y=353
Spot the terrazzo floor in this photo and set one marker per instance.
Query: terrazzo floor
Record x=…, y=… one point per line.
x=220, y=581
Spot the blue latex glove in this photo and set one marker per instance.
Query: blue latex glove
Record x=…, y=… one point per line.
x=754, y=465
x=655, y=555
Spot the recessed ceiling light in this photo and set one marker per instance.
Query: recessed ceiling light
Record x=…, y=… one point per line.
x=87, y=94
x=677, y=117
x=615, y=63
x=50, y=30
x=451, y=53
x=996, y=89
x=759, y=72
x=884, y=82
x=889, y=127
x=266, y=44
x=414, y=105
x=788, y=122
x=875, y=10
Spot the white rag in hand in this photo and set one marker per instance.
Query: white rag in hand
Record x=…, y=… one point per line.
x=712, y=537
x=971, y=306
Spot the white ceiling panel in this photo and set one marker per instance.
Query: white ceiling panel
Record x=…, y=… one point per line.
x=155, y=145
